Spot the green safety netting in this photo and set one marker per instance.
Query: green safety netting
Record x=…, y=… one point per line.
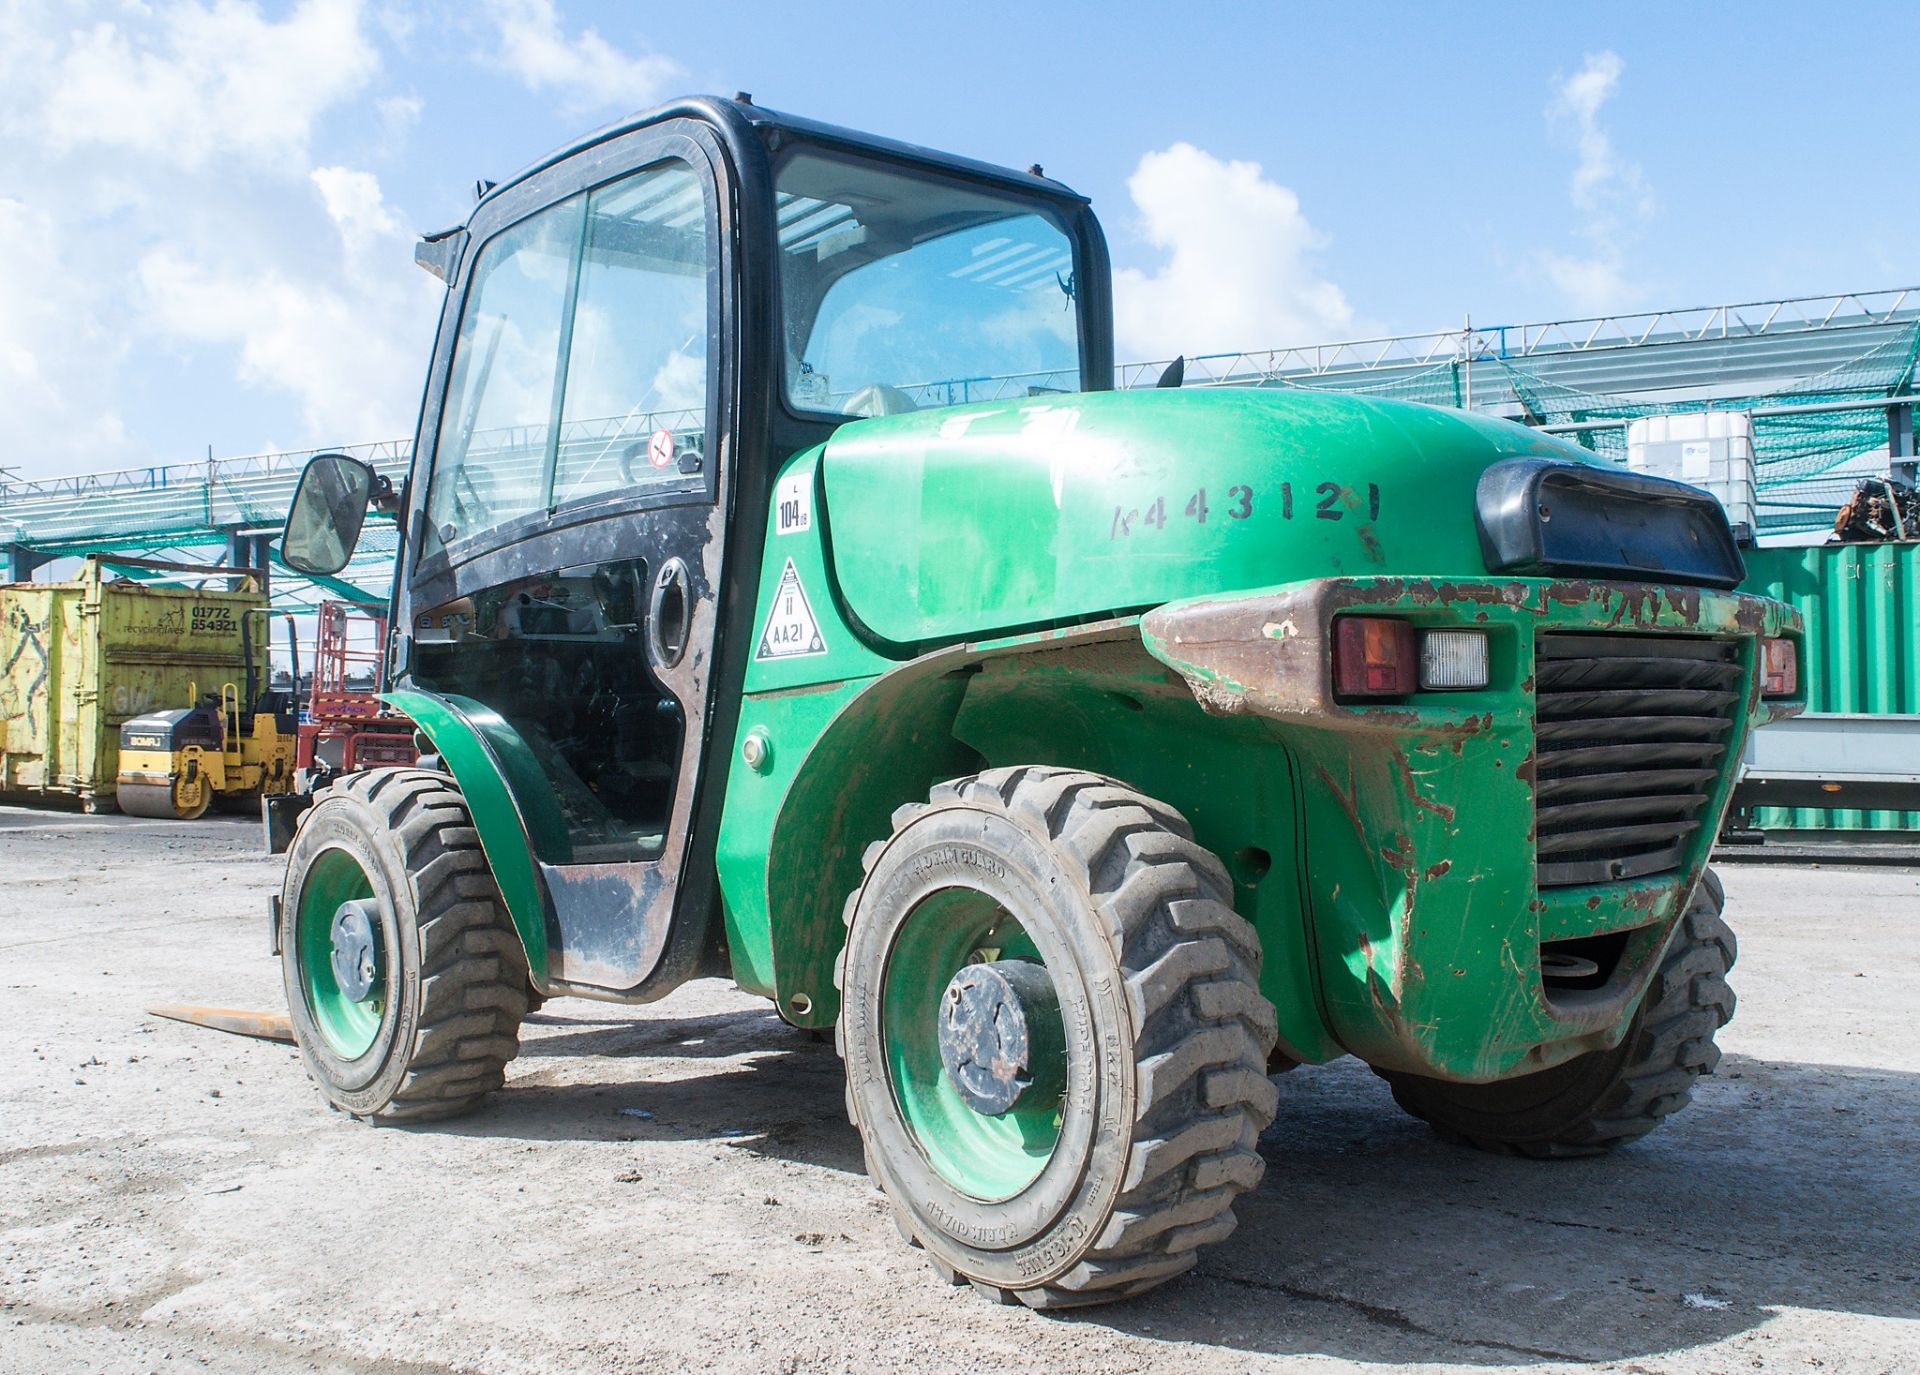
x=1806, y=461
x=185, y=513
x=1438, y=385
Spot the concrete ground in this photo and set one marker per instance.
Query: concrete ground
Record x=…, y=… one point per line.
x=173, y=1199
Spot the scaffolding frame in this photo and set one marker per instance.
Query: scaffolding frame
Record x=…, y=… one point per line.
x=228, y=512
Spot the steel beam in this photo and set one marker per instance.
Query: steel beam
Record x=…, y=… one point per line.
x=249, y=550
x=19, y=562
x=1900, y=449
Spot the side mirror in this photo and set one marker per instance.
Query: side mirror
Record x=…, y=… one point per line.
x=329, y=507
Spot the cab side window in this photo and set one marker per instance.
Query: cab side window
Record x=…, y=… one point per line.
x=636, y=393
x=489, y=464
x=580, y=367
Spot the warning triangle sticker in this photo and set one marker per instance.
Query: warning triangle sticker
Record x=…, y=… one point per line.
x=790, y=632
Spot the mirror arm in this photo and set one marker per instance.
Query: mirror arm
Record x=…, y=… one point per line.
x=385, y=497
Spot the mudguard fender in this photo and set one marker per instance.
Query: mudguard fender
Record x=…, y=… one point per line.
x=512, y=806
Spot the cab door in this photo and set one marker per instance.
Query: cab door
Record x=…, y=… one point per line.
x=567, y=532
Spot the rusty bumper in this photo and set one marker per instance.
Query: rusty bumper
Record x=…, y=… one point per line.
x=1427, y=919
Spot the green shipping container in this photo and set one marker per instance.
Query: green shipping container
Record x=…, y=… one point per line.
x=77, y=659
x=1862, y=609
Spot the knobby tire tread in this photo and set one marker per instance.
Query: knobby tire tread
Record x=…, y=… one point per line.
x=473, y=974
x=1202, y=1032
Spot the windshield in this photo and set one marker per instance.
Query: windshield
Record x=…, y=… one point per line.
x=580, y=368
x=899, y=291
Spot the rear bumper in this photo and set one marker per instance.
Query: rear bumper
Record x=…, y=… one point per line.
x=1426, y=915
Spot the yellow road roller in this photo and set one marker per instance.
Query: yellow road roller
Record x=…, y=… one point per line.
x=175, y=764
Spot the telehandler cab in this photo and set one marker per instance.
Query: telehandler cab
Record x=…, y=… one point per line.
x=786, y=593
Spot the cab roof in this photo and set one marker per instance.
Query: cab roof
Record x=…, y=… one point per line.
x=739, y=119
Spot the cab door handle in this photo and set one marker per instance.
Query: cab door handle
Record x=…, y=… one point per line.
x=670, y=614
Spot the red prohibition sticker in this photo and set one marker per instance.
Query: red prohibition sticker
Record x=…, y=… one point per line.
x=660, y=448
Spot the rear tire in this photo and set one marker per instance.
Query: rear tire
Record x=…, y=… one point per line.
x=1605, y=1099
x=1155, y=1090
x=431, y=1031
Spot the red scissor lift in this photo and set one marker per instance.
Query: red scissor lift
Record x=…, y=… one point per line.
x=345, y=727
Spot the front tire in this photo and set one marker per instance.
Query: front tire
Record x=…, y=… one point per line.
x=406, y=982
x=1607, y=1098
x=1129, y=1031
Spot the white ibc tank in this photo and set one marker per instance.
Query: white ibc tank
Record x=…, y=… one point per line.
x=1710, y=449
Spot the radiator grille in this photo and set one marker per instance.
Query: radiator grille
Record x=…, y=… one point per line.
x=1632, y=735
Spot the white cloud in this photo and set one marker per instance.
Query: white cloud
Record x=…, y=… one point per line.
x=1579, y=99
x=398, y=115
x=358, y=210
x=347, y=340
x=195, y=239
x=1238, y=270
x=204, y=81
x=1596, y=283
x=58, y=358
x=586, y=71
x=167, y=244
x=1609, y=191
x=1601, y=180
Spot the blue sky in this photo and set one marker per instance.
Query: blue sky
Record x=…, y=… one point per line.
x=206, y=207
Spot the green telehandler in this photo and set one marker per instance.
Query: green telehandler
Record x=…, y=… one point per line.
x=786, y=593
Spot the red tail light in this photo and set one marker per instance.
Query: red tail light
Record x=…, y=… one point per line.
x=1374, y=656
x=1779, y=668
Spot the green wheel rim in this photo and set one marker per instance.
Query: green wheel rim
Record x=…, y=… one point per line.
x=349, y=1027
x=991, y=1158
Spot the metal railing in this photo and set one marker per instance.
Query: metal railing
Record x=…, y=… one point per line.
x=202, y=500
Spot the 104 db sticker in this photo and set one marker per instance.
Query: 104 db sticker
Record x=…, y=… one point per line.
x=791, y=632
x=1317, y=501
x=793, y=505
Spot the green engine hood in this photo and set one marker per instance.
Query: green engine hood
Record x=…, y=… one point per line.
x=959, y=522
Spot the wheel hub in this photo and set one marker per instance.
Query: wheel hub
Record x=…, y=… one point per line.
x=1000, y=1035
x=356, y=955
